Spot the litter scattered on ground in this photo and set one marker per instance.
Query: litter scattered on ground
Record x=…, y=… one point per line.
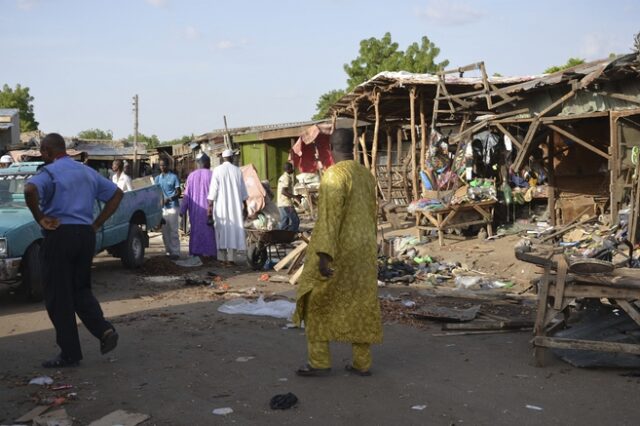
x=32, y=414
x=534, y=407
x=244, y=358
x=121, y=418
x=189, y=262
x=278, y=308
x=418, y=407
x=279, y=279
x=42, y=380
x=283, y=401
x=58, y=417
x=224, y=411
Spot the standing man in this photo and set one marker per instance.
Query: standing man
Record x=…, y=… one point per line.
x=61, y=198
x=227, y=195
x=338, y=292
x=289, y=219
x=120, y=178
x=202, y=238
x=170, y=185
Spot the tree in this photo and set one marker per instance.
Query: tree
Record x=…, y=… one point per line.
x=325, y=102
x=378, y=55
x=179, y=141
x=151, y=141
x=96, y=134
x=21, y=99
x=571, y=62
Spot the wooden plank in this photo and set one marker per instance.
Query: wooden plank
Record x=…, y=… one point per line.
x=578, y=140
x=423, y=133
x=600, y=292
x=630, y=310
x=289, y=257
x=586, y=345
x=524, y=151
x=488, y=325
x=376, y=130
x=557, y=103
x=568, y=227
x=561, y=278
x=121, y=417
x=356, y=156
x=296, y=276
x=389, y=171
x=571, y=117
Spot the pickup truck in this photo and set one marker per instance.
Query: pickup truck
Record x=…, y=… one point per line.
x=124, y=235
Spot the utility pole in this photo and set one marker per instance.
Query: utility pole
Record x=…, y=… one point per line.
x=136, y=166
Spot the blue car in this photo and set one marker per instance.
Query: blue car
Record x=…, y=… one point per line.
x=124, y=235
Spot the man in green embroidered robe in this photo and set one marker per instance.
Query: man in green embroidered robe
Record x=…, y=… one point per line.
x=338, y=292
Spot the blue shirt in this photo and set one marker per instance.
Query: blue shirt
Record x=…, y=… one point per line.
x=68, y=189
x=170, y=184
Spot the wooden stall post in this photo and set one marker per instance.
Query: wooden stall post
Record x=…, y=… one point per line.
x=356, y=156
x=376, y=129
x=414, y=137
x=399, y=137
x=551, y=194
x=389, y=173
x=423, y=133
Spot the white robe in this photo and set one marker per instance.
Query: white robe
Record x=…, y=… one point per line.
x=227, y=191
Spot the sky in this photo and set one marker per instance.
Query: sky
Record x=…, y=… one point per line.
x=265, y=61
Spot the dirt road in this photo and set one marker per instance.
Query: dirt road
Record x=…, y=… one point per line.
x=179, y=359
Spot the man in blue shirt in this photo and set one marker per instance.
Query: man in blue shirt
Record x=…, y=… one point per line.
x=170, y=185
x=61, y=198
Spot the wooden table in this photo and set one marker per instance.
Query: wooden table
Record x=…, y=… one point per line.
x=559, y=288
x=443, y=219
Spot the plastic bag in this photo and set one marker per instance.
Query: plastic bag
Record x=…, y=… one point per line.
x=277, y=309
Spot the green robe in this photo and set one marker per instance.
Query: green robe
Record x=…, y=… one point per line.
x=345, y=307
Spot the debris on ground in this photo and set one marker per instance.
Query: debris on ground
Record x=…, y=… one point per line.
x=224, y=411
x=121, y=417
x=278, y=308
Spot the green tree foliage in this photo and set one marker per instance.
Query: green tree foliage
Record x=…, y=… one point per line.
x=151, y=141
x=571, y=62
x=179, y=141
x=325, y=102
x=96, y=134
x=21, y=99
x=378, y=55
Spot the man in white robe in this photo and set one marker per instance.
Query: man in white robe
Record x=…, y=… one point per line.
x=227, y=194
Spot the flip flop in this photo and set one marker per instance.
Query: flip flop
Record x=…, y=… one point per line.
x=109, y=341
x=308, y=371
x=351, y=369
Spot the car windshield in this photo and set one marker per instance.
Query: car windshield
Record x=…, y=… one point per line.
x=11, y=190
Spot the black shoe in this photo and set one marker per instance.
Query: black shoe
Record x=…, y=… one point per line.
x=109, y=341
x=308, y=371
x=60, y=362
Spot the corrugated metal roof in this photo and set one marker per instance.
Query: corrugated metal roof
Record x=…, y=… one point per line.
x=9, y=111
x=256, y=129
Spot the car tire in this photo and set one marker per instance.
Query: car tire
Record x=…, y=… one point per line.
x=32, y=273
x=133, y=250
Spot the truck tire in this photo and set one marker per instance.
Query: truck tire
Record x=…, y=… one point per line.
x=32, y=273
x=133, y=249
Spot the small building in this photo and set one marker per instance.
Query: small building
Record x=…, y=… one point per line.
x=9, y=128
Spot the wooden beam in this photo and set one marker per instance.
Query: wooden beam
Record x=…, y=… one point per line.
x=399, y=138
x=356, y=156
x=558, y=102
x=578, y=141
x=376, y=130
x=423, y=134
x=586, y=345
x=414, y=175
x=504, y=131
x=595, y=114
x=363, y=145
x=389, y=173
x=551, y=188
x=522, y=154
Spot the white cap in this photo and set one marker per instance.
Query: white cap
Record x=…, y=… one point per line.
x=227, y=153
x=6, y=159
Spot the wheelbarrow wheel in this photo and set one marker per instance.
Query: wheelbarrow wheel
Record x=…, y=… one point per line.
x=257, y=256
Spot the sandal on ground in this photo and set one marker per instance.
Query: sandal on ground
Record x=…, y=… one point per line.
x=59, y=362
x=351, y=369
x=109, y=341
x=309, y=371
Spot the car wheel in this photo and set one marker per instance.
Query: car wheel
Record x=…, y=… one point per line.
x=133, y=250
x=32, y=273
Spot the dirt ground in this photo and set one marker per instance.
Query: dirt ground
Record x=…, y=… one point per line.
x=179, y=359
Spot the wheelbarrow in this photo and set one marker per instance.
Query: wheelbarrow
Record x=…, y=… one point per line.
x=261, y=244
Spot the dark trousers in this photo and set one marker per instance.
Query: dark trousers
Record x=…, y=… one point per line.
x=67, y=254
x=289, y=220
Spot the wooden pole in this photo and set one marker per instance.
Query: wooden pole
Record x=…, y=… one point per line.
x=414, y=137
x=551, y=195
x=399, y=136
x=389, y=173
x=363, y=145
x=423, y=134
x=356, y=157
x=376, y=130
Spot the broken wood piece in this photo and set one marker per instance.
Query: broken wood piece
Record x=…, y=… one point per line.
x=470, y=333
x=121, y=417
x=289, y=257
x=489, y=325
x=35, y=412
x=57, y=417
x=445, y=313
